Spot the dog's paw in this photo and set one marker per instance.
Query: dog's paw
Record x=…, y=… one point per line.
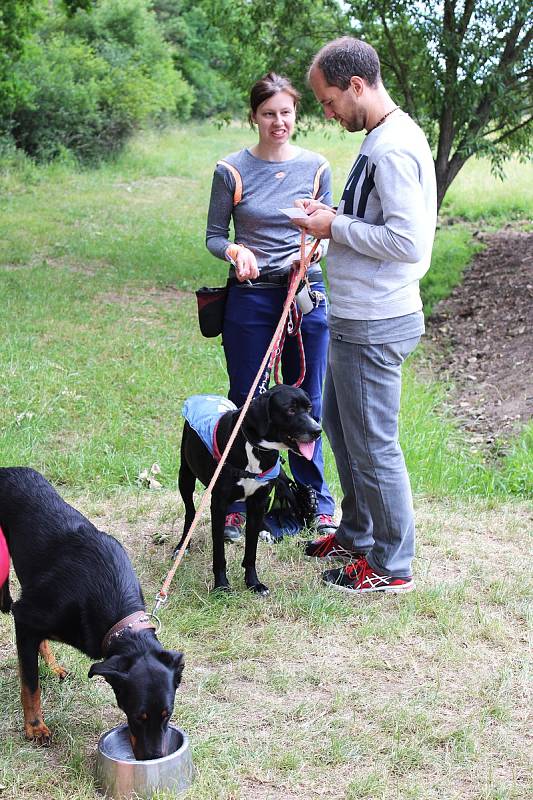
x=223, y=587
x=176, y=550
x=60, y=672
x=260, y=588
x=39, y=733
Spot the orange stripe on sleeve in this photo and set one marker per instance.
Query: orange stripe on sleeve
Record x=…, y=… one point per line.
x=237, y=194
x=316, y=183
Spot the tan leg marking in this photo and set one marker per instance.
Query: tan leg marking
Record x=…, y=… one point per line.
x=49, y=658
x=34, y=726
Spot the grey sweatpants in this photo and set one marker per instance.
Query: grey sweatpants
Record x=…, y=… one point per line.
x=360, y=417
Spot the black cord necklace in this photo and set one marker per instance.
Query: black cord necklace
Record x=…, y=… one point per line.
x=383, y=118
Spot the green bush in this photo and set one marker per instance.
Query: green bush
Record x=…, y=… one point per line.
x=201, y=54
x=93, y=83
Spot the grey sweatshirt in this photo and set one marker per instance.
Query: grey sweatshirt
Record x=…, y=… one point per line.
x=382, y=235
x=267, y=186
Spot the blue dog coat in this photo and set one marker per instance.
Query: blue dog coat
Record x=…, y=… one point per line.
x=203, y=413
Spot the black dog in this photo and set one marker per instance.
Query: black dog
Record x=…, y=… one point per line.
x=279, y=419
x=78, y=586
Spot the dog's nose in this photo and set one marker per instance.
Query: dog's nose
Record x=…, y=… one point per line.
x=316, y=430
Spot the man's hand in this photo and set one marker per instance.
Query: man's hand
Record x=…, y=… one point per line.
x=310, y=206
x=318, y=223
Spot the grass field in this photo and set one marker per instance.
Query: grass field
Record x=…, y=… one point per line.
x=305, y=695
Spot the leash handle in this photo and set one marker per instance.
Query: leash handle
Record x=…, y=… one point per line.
x=297, y=278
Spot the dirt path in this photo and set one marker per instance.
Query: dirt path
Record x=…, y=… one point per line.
x=482, y=337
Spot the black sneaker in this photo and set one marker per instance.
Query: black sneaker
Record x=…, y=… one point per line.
x=359, y=578
x=328, y=549
x=233, y=526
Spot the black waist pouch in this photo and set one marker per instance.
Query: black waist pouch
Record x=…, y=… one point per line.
x=211, y=304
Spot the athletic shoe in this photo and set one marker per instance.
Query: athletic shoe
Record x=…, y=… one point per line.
x=327, y=548
x=325, y=524
x=233, y=526
x=360, y=578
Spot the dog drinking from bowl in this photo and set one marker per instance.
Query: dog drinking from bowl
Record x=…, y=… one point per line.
x=279, y=419
x=78, y=586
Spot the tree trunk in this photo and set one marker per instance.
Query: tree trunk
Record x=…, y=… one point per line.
x=445, y=174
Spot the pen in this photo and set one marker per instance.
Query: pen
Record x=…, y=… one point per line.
x=234, y=265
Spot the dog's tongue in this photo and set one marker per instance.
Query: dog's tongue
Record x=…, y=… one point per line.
x=306, y=449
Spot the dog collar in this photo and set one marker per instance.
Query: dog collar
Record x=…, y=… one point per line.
x=137, y=621
x=266, y=475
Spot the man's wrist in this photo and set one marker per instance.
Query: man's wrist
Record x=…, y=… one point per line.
x=339, y=228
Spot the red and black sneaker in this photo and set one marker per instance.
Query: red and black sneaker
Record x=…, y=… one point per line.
x=234, y=526
x=360, y=578
x=324, y=524
x=327, y=548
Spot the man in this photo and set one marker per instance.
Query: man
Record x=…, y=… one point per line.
x=380, y=246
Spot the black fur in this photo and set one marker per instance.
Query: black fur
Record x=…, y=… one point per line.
x=278, y=419
x=76, y=584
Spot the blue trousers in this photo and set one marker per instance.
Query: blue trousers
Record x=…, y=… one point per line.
x=361, y=407
x=251, y=318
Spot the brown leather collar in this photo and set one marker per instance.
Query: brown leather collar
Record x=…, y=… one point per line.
x=137, y=621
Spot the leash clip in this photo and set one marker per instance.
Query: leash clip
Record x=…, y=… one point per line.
x=154, y=616
x=160, y=600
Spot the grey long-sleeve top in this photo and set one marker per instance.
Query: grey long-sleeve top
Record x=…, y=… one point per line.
x=267, y=186
x=382, y=236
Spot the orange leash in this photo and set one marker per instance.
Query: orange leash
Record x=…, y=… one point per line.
x=162, y=595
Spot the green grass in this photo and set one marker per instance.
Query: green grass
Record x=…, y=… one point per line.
x=306, y=694
x=99, y=342
x=309, y=693
x=452, y=251
x=476, y=194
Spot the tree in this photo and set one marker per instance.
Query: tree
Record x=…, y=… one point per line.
x=462, y=69
x=93, y=78
x=280, y=35
x=17, y=20
x=200, y=53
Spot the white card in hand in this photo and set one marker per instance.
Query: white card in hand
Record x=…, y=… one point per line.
x=294, y=213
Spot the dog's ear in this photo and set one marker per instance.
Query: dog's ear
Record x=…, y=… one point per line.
x=175, y=661
x=114, y=670
x=257, y=419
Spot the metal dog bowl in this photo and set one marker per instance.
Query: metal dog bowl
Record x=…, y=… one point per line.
x=121, y=777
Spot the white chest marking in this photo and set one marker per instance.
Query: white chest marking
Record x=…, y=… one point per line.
x=250, y=485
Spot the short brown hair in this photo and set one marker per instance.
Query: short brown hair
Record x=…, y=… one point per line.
x=266, y=87
x=342, y=58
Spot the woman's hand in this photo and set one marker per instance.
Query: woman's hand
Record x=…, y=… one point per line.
x=246, y=268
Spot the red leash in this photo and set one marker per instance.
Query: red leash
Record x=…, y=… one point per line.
x=297, y=277
x=292, y=324
x=293, y=327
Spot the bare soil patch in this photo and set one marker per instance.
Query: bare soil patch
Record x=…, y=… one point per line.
x=482, y=336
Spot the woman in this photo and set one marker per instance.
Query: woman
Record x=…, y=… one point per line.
x=250, y=187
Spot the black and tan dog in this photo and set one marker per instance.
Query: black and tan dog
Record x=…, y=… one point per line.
x=78, y=586
x=279, y=419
